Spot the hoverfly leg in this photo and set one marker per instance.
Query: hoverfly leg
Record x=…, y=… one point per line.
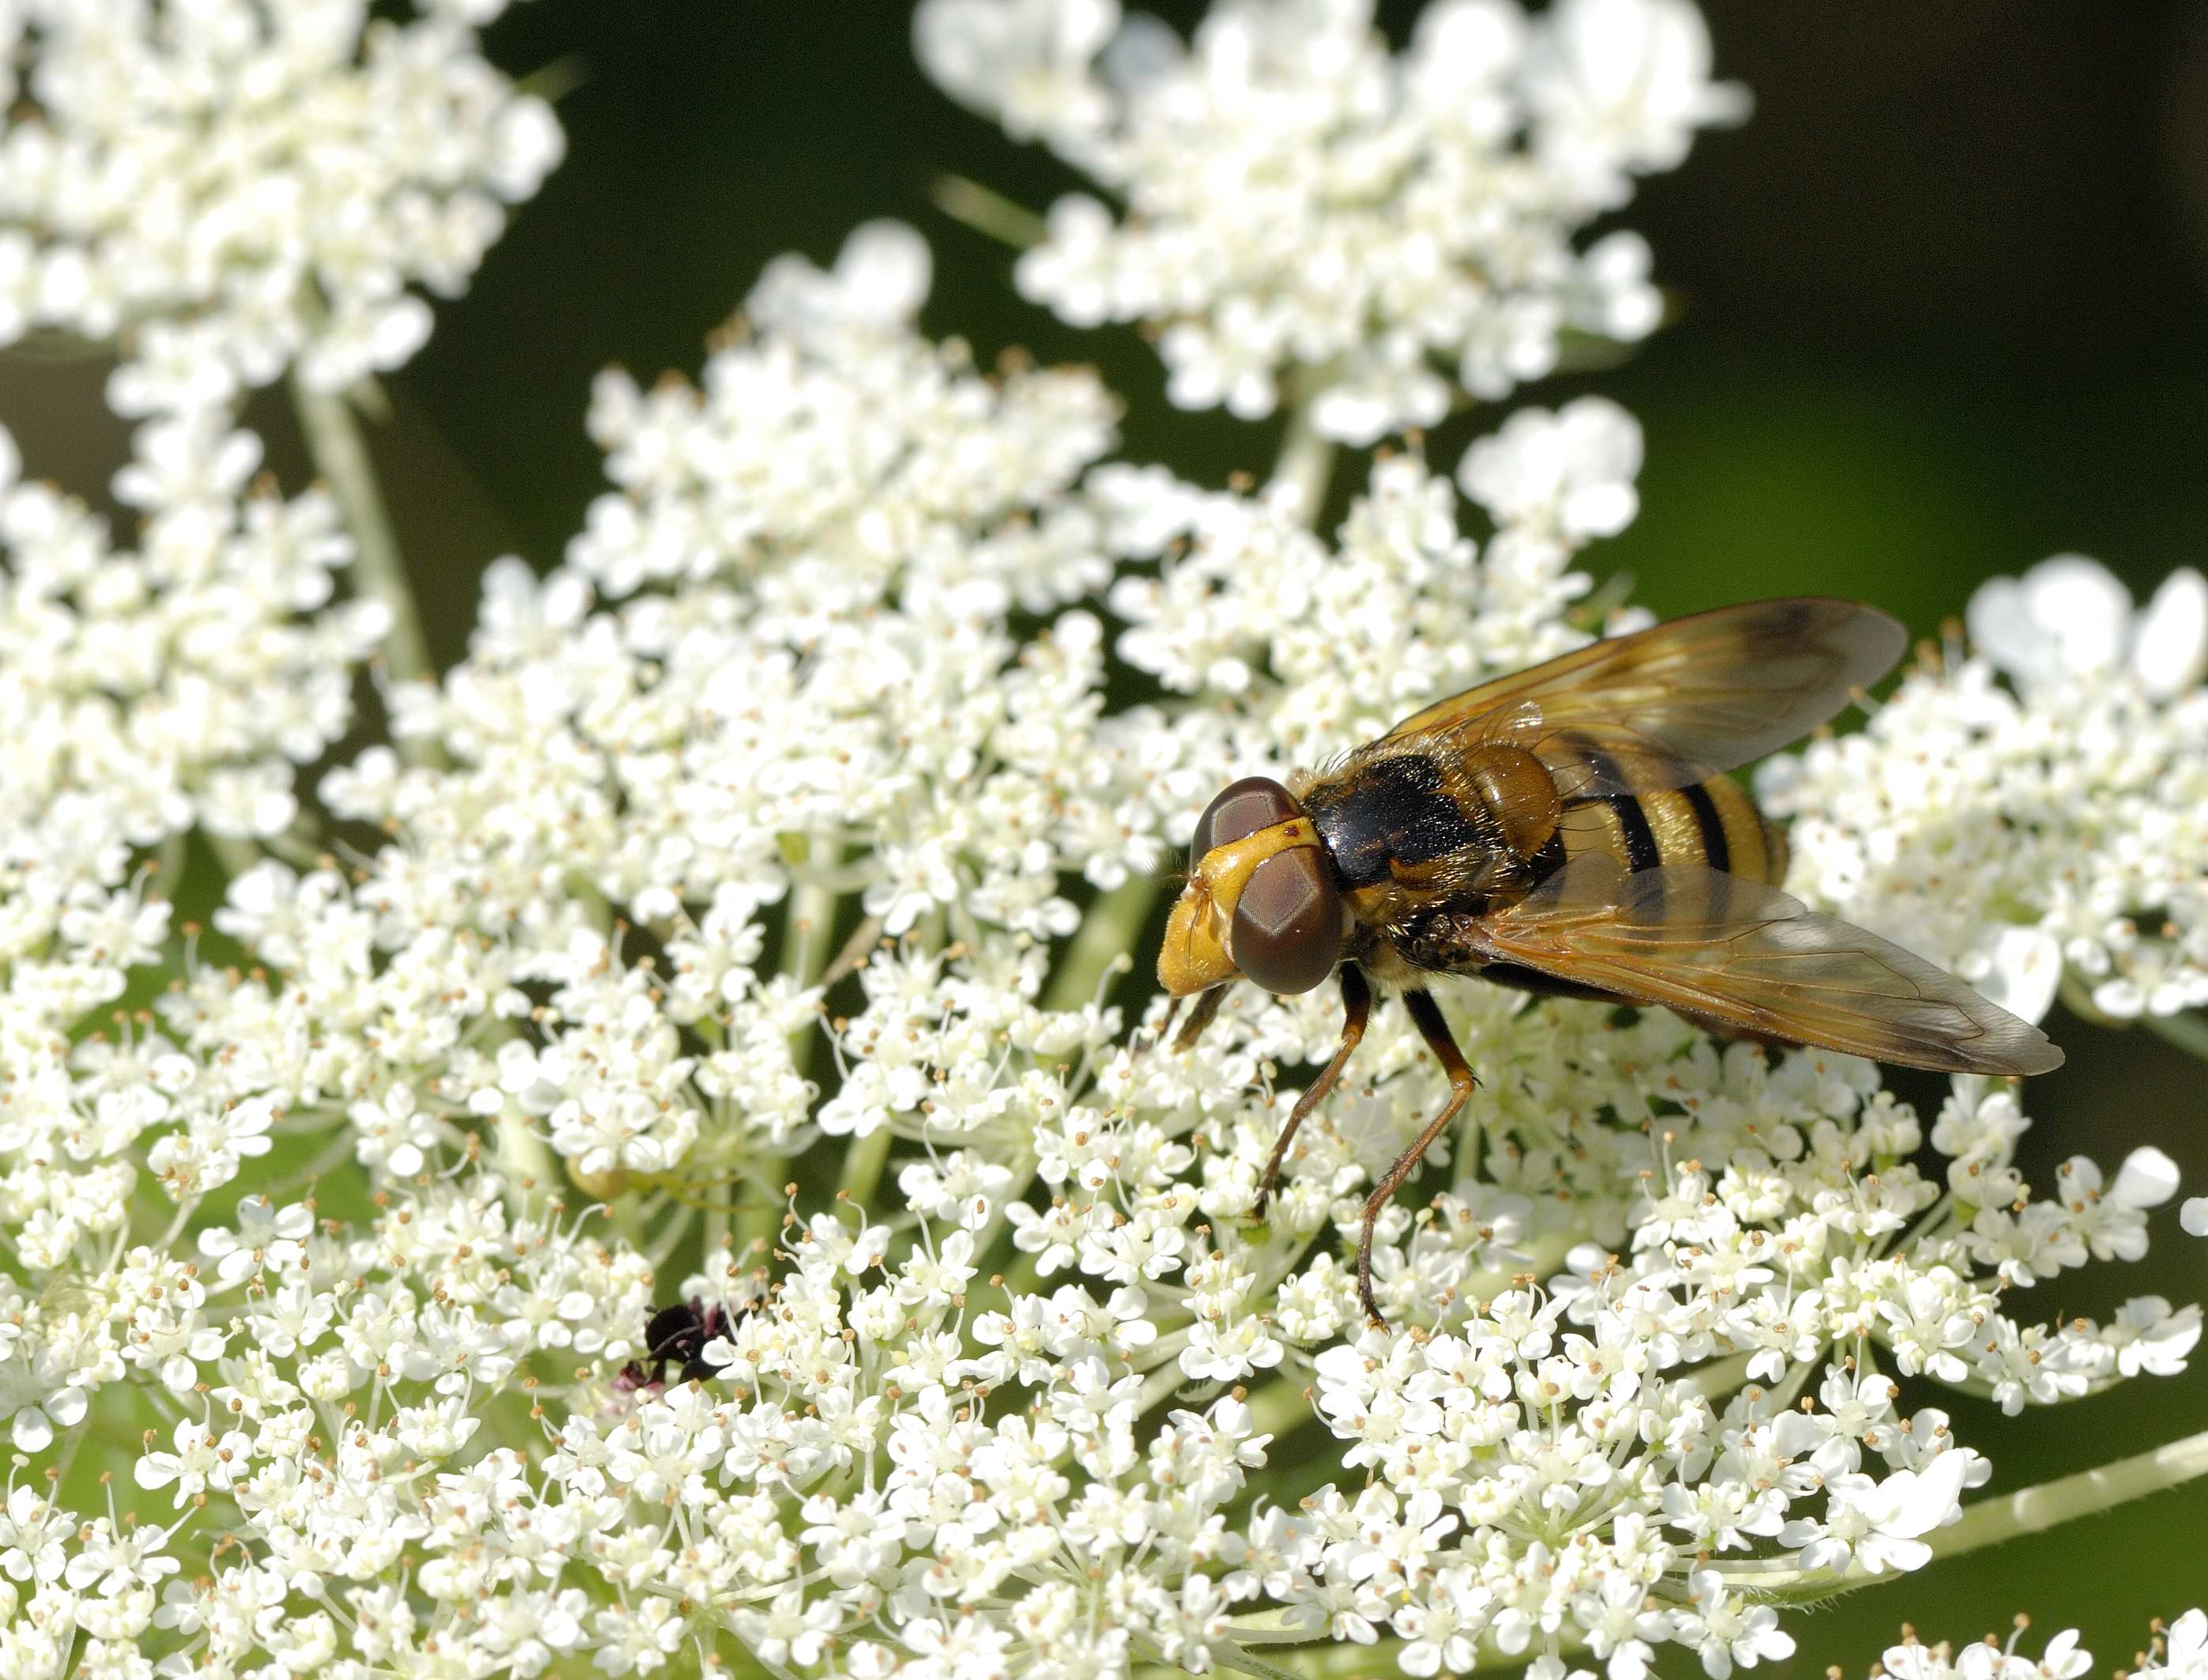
x=1428, y=1016
x=1356, y=1011
x=1207, y=1005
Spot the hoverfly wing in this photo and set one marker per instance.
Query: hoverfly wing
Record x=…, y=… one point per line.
x=1720, y=945
x=1681, y=702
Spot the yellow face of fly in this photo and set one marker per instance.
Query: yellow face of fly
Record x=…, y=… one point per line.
x=1195, y=957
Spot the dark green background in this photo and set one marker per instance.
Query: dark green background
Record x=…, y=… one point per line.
x=1943, y=315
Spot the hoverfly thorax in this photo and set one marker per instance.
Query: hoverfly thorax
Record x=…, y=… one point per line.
x=1519, y=795
x=1261, y=901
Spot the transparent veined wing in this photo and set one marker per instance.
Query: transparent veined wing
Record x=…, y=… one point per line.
x=1715, y=945
x=1681, y=702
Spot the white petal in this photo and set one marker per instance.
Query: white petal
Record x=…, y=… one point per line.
x=2147, y=1178
x=2067, y=616
x=964, y=46
x=1082, y=27
x=1461, y=44
x=2027, y=969
x=33, y=1433
x=1923, y=1500
x=2170, y=646
x=1144, y=52
x=1604, y=439
x=885, y=269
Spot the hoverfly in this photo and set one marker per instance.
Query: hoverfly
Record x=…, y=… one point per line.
x=1569, y=830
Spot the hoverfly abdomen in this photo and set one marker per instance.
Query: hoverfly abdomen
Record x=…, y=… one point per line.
x=1713, y=824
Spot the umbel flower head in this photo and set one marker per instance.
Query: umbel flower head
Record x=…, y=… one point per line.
x=2034, y=813
x=1421, y=243
x=654, y=1167
x=236, y=188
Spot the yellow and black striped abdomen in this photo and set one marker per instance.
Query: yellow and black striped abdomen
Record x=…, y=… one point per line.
x=1714, y=824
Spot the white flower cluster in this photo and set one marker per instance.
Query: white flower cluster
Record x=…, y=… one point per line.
x=1652, y=1326
x=704, y=1208
x=234, y=187
x=1310, y=650
x=2050, y=831
x=1302, y=208
x=146, y=693
x=2179, y=1652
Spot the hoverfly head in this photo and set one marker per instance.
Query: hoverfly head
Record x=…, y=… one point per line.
x=1261, y=899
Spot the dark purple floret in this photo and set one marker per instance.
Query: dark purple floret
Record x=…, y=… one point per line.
x=676, y=1335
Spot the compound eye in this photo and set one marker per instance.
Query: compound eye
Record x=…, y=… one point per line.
x=1288, y=923
x=1242, y=808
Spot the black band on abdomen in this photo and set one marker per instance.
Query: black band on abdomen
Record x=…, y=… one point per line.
x=1640, y=851
x=1715, y=851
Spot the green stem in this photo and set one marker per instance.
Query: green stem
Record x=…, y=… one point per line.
x=989, y=212
x=862, y=1165
x=236, y=855
x=1306, y=459
x=2078, y=998
x=531, y=1166
x=169, y=866
x=1229, y=1655
x=2030, y=1511
x=1279, y=1407
x=73, y=1440
x=714, y=1237
x=812, y=918
x=332, y=1155
x=1105, y=936
x=2188, y=1031
x=554, y=81
x=804, y=954
x=1720, y=1377
x=532, y=1173
x=341, y=454
x=296, y=848
x=1329, y=1658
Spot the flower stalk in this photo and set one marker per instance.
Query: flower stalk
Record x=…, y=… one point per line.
x=1306, y=457
x=340, y=449
x=988, y=212
x=1103, y=943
